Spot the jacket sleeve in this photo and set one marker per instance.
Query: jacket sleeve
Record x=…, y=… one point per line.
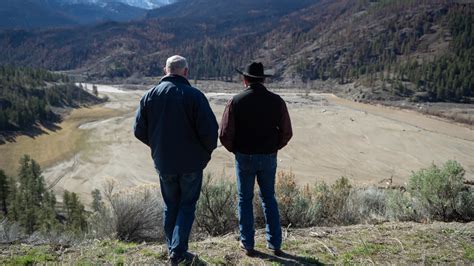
x=140, y=128
x=206, y=124
x=284, y=126
x=227, y=133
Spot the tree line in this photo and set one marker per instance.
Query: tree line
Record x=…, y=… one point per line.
x=28, y=95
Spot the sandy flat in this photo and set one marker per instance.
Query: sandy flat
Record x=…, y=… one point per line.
x=332, y=138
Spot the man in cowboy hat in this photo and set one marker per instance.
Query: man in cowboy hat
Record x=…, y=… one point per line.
x=255, y=125
x=176, y=122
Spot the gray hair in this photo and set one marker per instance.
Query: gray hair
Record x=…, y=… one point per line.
x=176, y=62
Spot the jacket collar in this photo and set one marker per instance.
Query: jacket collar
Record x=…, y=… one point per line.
x=175, y=79
x=256, y=86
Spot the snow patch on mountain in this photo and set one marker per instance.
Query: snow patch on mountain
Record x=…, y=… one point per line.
x=146, y=4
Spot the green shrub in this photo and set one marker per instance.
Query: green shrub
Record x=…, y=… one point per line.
x=332, y=201
x=296, y=205
x=400, y=206
x=441, y=191
x=433, y=193
x=217, y=206
x=33, y=256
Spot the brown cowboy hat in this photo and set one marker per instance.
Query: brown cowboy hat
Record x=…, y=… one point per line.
x=254, y=70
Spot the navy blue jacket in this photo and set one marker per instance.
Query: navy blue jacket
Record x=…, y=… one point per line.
x=176, y=122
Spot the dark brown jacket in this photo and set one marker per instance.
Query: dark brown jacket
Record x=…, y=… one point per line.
x=255, y=121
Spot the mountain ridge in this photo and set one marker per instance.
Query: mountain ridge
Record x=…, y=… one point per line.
x=37, y=14
x=381, y=43
x=145, y=4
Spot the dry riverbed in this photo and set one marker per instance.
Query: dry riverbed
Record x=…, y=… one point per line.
x=332, y=138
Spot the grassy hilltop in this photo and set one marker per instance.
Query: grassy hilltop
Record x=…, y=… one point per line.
x=394, y=243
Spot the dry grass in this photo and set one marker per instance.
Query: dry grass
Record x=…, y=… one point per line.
x=390, y=243
x=53, y=145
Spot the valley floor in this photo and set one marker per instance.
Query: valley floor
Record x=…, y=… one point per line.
x=388, y=243
x=333, y=137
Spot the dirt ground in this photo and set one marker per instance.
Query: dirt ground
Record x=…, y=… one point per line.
x=332, y=138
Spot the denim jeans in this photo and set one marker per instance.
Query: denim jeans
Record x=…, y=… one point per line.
x=263, y=167
x=180, y=195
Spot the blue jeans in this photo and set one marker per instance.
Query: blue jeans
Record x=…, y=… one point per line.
x=180, y=195
x=262, y=166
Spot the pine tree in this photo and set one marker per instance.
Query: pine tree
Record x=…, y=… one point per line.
x=29, y=202
x=67, y=203
x=4, y=192
x=79, y=213
x=13, y=203
x=25, y=197
x=75, y=212
x=48, y=215
x=97, y=203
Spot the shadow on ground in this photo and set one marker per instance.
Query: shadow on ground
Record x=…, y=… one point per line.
x=33, y=132
x=289, y=259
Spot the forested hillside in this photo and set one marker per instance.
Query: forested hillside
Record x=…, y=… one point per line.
x=213, y=46
x=29, y=95
x=417, y=49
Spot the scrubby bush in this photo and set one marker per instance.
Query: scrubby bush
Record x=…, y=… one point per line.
x=136, y=215
x=130, y=215
x=216, y=208
x=365, y=205
x=465, y=204
x=401, y=207
x=434, y=193
x=295, y=204
x=332, y=201
x=309, y=210
x=441, y=192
